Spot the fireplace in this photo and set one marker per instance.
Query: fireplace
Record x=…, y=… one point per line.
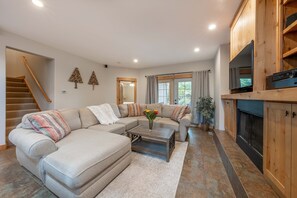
x=250, y=130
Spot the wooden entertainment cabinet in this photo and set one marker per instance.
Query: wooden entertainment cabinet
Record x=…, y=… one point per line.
x=275, y=50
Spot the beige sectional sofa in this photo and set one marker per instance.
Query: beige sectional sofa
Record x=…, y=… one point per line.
x=91, y=156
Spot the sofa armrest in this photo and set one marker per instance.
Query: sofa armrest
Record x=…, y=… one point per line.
x=186, y=120
x=33, y=144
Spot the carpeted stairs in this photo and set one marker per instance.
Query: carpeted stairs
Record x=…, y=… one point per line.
x=19, y=101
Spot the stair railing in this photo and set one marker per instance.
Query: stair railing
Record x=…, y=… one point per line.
x=35, y=79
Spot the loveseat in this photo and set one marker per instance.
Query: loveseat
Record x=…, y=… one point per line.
x=92, y=155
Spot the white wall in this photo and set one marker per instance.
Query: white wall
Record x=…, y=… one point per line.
x=64, y=64
x=221, y=82
x=185, y=67
x=43, y=69
x=111, y=76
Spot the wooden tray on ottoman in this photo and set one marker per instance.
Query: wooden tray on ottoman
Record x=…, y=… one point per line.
x=159, y=141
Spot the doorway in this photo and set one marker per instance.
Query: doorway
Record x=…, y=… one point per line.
x=126, y=90
x=183, y=91
x=174, y=90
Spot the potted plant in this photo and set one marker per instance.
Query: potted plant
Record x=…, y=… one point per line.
x=206, y=108
x=151, y=115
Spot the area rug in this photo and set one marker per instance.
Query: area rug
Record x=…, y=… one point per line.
x=148, y=176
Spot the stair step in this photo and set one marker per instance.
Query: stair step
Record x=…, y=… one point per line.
x=12, y=122
x=17, y=89
x=19, y=100
x=10, y=79
x=18, y=94
x=16, y=84
x=23, y=106
x=19, y=113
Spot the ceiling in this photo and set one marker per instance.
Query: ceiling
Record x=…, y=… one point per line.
x=114, y=32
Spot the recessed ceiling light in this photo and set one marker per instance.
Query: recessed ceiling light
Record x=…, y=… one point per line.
x=197, y=49
x=38, y=3
x=135, y=60
x=212, y=26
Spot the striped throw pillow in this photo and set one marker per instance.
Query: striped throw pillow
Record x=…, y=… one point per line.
x=178, y=113
x=134, y=110
x=51, y=124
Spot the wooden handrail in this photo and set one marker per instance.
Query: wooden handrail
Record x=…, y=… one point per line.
x=35, y=79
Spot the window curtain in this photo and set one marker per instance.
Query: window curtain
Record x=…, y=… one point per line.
x=200, y=88
x=151, y=90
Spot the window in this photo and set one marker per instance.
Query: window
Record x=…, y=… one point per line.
x=183, y=91
x=172, y=90
x=164, y=92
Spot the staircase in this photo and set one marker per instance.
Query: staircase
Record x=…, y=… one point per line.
x=19, y=101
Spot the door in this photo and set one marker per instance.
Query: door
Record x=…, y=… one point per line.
x=277, y=145
x=294, y=151
x=230, y=117
x=183, y=91
x=227, y=112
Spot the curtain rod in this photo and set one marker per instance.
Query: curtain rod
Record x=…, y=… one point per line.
x=169, y=74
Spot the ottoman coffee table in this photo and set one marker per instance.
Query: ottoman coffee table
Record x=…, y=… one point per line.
x=159, y=141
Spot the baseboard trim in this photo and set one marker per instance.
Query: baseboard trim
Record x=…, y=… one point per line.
x=3, y=147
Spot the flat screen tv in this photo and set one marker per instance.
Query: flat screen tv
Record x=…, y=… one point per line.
x=241, y=70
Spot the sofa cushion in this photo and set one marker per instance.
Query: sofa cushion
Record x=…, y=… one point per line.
x=142, y=107
x=83, y=155
x=113, y=128
x=51, y=124
x=87, y=118
x=155, y=107
x=128, y=122
x=167, y=123
x=72, y=118
x=167, y=110
x=123, y=110
x=178, y=113
x=116, y=110
x=134, y=110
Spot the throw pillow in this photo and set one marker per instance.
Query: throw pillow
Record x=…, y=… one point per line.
x=25, y=124
x=134, y=110
x=178, y=113
x=51, y=124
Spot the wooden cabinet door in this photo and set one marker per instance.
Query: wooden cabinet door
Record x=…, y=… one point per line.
x=233, y=119
x=227, y=112
x=243, y=27
x=277, y=145
x=294, y=152
x=230, y=117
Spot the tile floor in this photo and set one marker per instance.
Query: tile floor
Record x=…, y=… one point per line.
x=17, y=182
x=203, y=173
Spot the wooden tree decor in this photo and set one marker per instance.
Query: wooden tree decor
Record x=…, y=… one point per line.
x=75, y=77
x=93, y=80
